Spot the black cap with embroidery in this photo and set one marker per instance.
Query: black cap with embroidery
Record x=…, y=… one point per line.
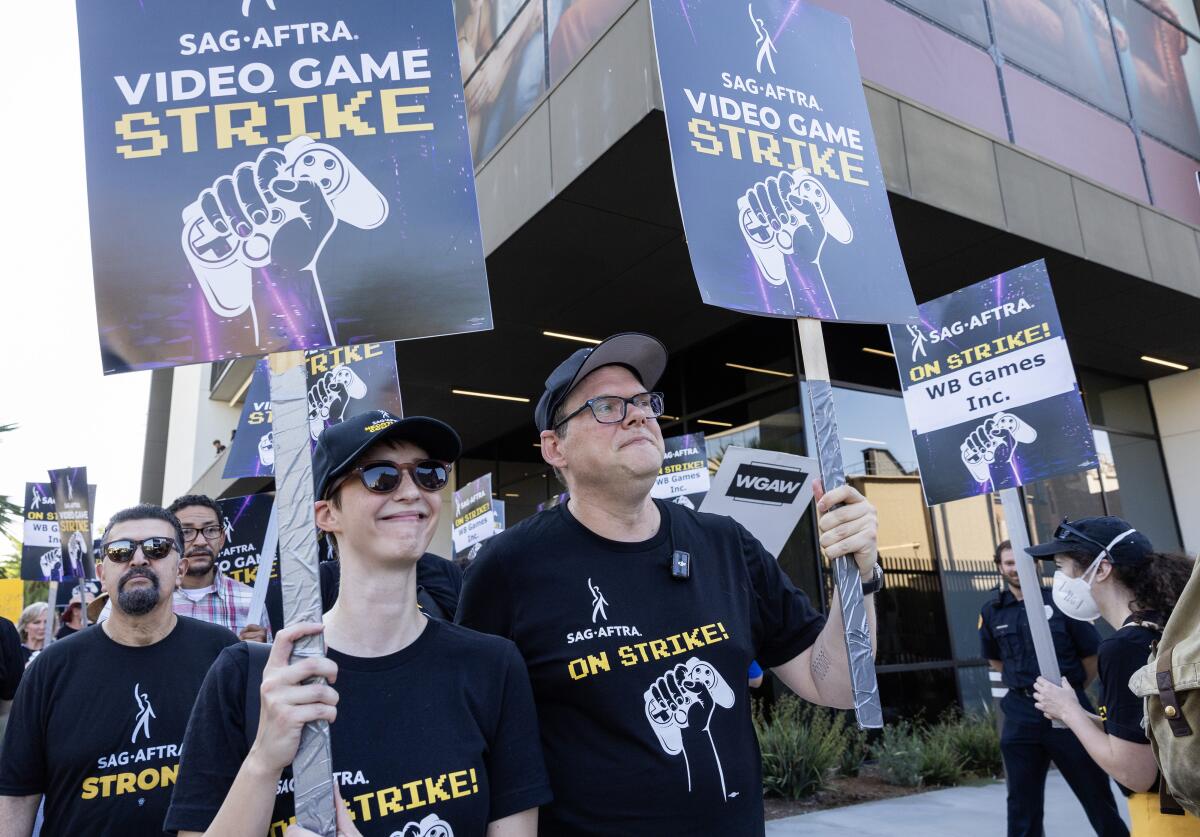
x=340, y=446
x=641, y=354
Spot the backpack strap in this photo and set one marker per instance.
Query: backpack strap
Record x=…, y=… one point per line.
x=1166, y=693
x=260, y=652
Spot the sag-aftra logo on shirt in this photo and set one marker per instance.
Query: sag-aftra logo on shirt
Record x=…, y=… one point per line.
x=135, y=781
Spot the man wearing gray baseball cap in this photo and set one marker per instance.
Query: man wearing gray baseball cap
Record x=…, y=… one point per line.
x=639, y=618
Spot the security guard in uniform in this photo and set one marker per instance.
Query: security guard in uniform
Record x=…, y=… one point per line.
x=1029, y=743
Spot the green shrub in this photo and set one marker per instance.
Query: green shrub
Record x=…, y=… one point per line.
x=977, y=742
x=801, y=747
x=941, y=763
x=854, y=749
x=900, y=754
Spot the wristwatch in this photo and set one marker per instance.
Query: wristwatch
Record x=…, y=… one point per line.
x=876, y=582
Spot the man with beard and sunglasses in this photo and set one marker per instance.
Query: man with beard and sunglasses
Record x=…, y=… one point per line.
x=432, y=728
x=205, y=592
x=98, y=720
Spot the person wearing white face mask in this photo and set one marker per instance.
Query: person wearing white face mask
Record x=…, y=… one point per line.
x=1108, y=570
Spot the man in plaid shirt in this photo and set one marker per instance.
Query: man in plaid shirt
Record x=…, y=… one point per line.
x=205, y=593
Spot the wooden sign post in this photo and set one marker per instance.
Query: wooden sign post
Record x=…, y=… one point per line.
x=1031, y=586
x=298, y=559
x=867, y=708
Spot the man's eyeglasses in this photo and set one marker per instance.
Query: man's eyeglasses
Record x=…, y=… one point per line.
x=385, y=477
x=612, y=409
x=122, y=551
x=210, y=532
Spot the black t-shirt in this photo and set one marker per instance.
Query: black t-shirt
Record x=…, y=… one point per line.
x=96, y=728
x=1004, y=635
x=12, y=659
x=442, y=732
x=1120, y=656
x=639, y=677
x=439, y=583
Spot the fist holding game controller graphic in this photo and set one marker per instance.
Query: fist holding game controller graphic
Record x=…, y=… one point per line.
x=51, y=562
x=790, y=214
x=330, y=396
x=275, y=213
x=679, y=706
x=993, y=444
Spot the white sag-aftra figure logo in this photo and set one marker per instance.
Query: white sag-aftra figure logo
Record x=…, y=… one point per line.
x=918, y=341
x=598, y=603
x=144, y=714
x=246, y=4
x=765, y=45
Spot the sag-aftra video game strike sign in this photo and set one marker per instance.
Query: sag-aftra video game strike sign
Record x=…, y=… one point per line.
x=272, y=175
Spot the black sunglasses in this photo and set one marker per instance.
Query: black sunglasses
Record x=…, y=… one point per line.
x=122, y=551
x=1067, y=532
x=385, y=477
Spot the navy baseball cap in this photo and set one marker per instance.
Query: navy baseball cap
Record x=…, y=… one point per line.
x=641, y=354
x=1121, y=543
x=340, y=446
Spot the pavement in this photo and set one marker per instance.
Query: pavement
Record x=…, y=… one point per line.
x=954, y=812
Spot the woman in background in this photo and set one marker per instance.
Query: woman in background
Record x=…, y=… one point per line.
x=32, y=629
x=1106, y=569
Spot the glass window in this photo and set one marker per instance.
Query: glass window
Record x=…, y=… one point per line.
x=882, y=465
x=1136, y=464
x=1166, y=65
x=1067, y=42
x=965, y=17
x=967, y=534
x=1180, y=12
x=753, y=355
x=1073, y=495
x=1119, y=403
x=502, y=52
x=581, y=23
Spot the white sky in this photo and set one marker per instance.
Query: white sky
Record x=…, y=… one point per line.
x=69, y=413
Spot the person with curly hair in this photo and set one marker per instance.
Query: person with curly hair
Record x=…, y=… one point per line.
x=1106, y=569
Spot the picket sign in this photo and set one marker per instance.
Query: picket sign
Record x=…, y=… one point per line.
x=266, y=567
x=48, y=632
x=867, y=708
x=298, y=559
x=1035, y=608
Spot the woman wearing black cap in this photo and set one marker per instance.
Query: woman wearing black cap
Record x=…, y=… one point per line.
x=1106, y=569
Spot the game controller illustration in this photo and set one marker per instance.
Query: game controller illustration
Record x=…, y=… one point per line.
x=790, y=214
x=51, y=562
x=994, y=442
x=670, y=699
x=680, y=705
x=330, y=396
x=235, y=225
x=266, y=450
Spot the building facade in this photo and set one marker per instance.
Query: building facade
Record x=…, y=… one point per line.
x=1010, y=130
